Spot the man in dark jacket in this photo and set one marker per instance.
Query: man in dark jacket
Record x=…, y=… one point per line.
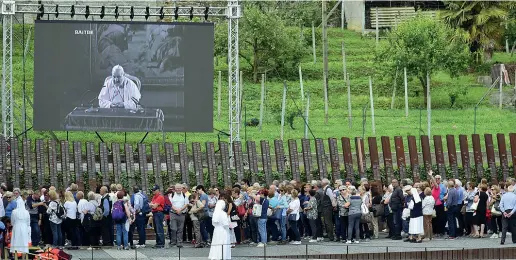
x=396, y=204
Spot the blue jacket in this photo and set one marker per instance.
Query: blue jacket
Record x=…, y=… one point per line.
x=265, y=207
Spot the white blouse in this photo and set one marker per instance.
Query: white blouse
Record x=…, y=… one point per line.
x=294, y=206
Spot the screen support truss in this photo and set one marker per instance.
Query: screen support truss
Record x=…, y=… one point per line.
x=232, y=12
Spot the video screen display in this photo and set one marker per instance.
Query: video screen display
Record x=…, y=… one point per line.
x=123, y=76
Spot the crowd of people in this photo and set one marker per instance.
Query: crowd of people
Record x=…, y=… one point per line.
x=284, y=212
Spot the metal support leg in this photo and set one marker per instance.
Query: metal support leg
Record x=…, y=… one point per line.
x=8, y=9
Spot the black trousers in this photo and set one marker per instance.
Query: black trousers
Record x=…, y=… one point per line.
x=188, y=229
x=439, y=222
x=390, y=225
x=328, y=222
x=460, y=218
x=319, y=225
x=107, y=231
x=509, y=224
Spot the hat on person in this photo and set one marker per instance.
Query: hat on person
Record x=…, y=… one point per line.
x=194, y=189
x=407, y=188
x=342, y=187
x=155, y=188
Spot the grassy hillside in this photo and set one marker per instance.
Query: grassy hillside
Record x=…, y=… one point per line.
x=360, y=65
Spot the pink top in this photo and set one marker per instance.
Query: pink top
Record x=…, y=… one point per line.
x=436, y=191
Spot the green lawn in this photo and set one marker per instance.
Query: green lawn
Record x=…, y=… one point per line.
x=360, y=54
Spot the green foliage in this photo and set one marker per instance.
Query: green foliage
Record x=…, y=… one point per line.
x=481, y=23
x=265, y=43
x=424, y=46
x=454, y=94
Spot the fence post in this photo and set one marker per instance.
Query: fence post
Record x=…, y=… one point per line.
x=406, y=90
x=261, y=101
x=219, y=97
x=283, y=104
x=313, y=42
x=372, y=105
x=501, y=88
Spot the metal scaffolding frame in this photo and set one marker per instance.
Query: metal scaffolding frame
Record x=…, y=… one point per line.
x=232, y=12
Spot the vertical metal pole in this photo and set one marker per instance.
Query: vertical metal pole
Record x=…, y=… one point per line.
x=219, y=95
x=325, y=60
x=501, y=88
x=429, y=104
x=342, y=15
x=307, y=111
x=233, y=14
x=306, y=251
x=406, y=90
x=475, y=121
x=377, y=29
x=313, y=42
x=350, y=117
x=24, y=109
x=301, y=84
x=394, y=89
x=245, y=123
x=7, y=71
x=344, y=67
x=283, y=104
x=372, y=105
x=262, y=101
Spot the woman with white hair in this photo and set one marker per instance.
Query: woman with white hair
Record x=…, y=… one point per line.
x=20, y=219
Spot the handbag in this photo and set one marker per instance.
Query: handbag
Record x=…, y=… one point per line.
x=378, y=210
x=201, y=215
x=241, y=210
x=364, y=209
x=276, y=214
x=257, y=210
x=405, y=214
x=292, y=217
x=269, y=212
x=474, y=206
x=366, y=218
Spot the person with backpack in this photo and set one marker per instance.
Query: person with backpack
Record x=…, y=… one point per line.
x=141, y=209
x=56, y=214
x=120, y=215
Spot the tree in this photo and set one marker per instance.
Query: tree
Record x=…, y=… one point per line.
x=424, y=46
x=481, y=22
x=265, y=43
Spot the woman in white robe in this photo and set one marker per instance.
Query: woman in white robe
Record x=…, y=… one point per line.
x=20, y=219
x=220, y=243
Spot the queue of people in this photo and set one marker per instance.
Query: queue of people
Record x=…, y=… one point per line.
x=284, y=212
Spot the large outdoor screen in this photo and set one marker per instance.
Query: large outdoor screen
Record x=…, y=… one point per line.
x=123, y=76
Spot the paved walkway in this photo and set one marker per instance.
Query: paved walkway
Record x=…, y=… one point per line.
x=245, y=252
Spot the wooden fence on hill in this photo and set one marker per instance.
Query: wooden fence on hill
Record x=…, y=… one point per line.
x=58, y=163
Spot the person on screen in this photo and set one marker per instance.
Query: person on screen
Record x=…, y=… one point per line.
x=119, y=91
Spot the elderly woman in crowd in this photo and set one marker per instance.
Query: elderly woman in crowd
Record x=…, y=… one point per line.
x=354, y=215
